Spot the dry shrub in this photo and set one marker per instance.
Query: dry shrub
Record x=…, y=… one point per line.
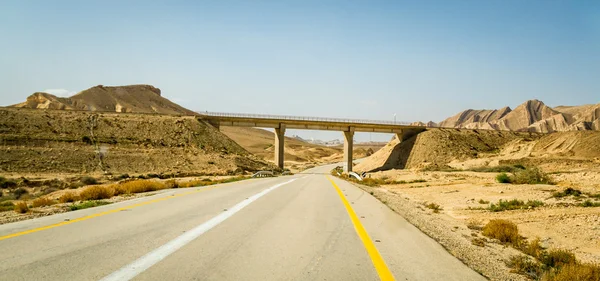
x=526, y=266
x=172, y=184
x=575, y=272
x=97, y=192
x=68, y=197
x=42, y=202
x=137, y=186
x=558, y=258
x=21, y=207
x=533, y=248
x=503, y=230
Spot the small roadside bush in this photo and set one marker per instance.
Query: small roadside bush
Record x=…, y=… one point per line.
x=137, y=186
x=503, y=230
x=533, y=248
x=515, y=204
x=526, y=266
x=172, y=184
x=68, y=197
x=97, y=192
x=7, y=206
x=42, y=202
x=558, y=258
x=21, y=207
x=567, y=192
x=503, y=178
x=88, y=180
x=435, y=207
x=7, y=183
x=481, y=201
x=589, y=203
x=574, y=272
x=20, y=192
x=531, y=175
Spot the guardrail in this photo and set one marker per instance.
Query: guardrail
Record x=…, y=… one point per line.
x=303, y=118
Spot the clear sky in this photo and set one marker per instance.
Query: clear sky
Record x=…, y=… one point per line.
x=423, y=60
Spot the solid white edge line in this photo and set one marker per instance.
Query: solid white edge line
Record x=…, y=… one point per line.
x=133, y=269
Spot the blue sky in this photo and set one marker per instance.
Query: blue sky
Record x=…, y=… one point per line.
x=423, y=60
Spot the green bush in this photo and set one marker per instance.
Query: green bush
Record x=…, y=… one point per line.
x=503, y=178
x=589, y=203
x=567, y=192
x=532, y=175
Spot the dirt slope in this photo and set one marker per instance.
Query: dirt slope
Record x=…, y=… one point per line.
x=468, y=149
x=436, y=147
x=62, y=141
x=132, y=98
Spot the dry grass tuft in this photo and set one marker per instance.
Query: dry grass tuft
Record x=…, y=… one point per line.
x=21, y=207
x=503, y=230
x=68, y=197
x=42, y=202
x=136, y=186
x=533, y=248
x=97, y=192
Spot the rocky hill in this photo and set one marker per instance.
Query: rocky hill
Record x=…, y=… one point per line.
x=77, y=142
x=132, y=98
x=532, y=116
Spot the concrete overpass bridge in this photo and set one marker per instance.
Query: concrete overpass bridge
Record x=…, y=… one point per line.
x=280, y=123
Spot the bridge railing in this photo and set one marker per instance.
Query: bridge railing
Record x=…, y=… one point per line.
x=303, y=118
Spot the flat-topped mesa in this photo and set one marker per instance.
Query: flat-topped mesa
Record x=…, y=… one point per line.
x=130, y=98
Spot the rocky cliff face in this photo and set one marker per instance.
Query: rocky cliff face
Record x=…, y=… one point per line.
x=532, y=116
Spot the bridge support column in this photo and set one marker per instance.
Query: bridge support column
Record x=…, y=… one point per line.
x=279, y=144
x=348, y=144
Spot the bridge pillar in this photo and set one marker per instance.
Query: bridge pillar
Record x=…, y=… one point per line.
x=279, y=144
x=348, y=144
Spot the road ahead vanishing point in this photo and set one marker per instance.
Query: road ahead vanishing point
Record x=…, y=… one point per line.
x=309, y=226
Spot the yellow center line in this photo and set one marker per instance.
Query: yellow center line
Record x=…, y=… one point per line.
x=382, y=270
x=104, y=213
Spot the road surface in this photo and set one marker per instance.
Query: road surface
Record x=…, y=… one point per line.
x=300, y=227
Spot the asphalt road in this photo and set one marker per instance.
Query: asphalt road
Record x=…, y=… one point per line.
x=287, y=228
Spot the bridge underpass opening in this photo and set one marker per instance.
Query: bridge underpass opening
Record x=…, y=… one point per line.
x=282, y=123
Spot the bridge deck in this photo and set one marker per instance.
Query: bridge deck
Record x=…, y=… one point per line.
x=306, y=123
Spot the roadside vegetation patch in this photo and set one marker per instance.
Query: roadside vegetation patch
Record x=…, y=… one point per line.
x=88, y=204
x=503, y=178
x=68, y=197
x=7, y=206
x=7, y=183
x=589, y=203
x=567, y=192
x=42, y=202
x=435, y=207
x=21, y=207
x=536, y=262
x=515, y=204
x=529, y=175
x=502, y=230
